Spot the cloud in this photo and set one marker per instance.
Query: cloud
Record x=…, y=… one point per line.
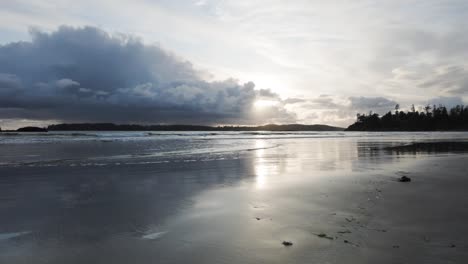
x=10, y=86
x=422, y=63
x=266, y=93
x=324, y=102
x=9, y=81
x=345, y=108
x=87, y=74
x=294, y=100
x=62, y=83
x=446, y=101
x=338, y=110
x=371, y=103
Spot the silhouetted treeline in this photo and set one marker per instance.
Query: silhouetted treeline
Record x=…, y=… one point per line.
x=26, y=129
x=431, y=119
x=115, y=127
x=31, y=129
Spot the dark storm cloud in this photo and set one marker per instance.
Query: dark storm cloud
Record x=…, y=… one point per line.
x=86, y=74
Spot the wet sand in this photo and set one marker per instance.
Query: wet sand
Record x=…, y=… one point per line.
x=337, y=201
x=426, y=218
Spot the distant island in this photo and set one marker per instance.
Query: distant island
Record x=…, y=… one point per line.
x=133, y=127
x=435, y=118
x=31, y=129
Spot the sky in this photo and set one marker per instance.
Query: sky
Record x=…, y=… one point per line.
x=227, y=62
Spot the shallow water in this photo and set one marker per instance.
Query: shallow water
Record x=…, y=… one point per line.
x=197, y=197
x=110, y=148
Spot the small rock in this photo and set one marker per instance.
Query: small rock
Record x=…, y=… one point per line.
x=287, y=243
x=452, y=246
x=379, y=230
x=344, y=232
x=404, y=179
x=258, y=218
x=396, y=246
x=322, y=235
x=346, y=241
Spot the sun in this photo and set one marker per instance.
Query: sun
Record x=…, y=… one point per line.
x=261, y=104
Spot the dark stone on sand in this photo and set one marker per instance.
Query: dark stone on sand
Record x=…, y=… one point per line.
x=452, y=246
x=344, y=232
x=346, y=241
x=323, y=235
x=404, y=179
x=258, y=218
x=287, y=243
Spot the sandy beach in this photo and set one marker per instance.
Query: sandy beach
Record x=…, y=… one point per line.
x=336, y=199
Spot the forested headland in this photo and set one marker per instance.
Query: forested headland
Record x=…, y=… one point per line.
x=432, y=118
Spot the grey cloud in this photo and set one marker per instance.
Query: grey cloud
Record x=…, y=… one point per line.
x=401, y=45
x=371, y=103
x=378, y=105
x=325, y=102
x=86, y=74
x=265, y=93
x=422, y=61
x=294, y=101
x=342, y=111
x=9, y=81
x=446, y=101
x=321, y=102
x=450, y=79
x=433, y=79
x=62, y=83
x=10, y=86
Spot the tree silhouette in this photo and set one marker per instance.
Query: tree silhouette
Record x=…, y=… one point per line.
x=438, y=119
